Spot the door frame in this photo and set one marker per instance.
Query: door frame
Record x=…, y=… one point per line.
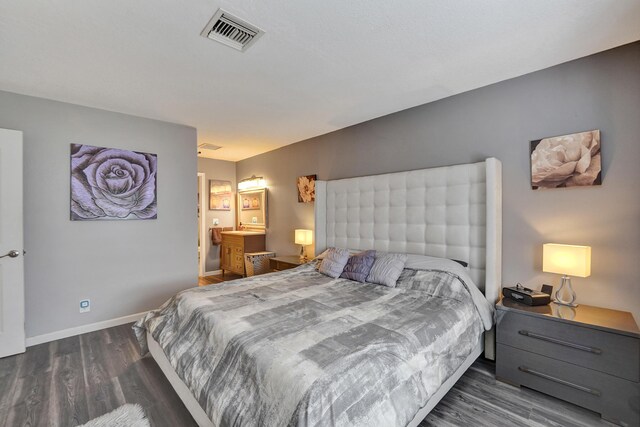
x=202, y=184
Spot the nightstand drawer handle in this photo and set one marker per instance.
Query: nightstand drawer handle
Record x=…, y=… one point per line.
x=558, y=380
x=557, y=341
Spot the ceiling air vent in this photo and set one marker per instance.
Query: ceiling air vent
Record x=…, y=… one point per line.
x=231, y=31
x=209, y=146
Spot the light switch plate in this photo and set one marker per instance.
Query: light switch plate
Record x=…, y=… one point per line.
x=216, y=221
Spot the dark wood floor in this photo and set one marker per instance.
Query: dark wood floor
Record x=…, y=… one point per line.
x=70, y=381
x=210, y=280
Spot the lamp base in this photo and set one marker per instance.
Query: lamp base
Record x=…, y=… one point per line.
x=303, y=255
x=565, y=288
x=565, y=304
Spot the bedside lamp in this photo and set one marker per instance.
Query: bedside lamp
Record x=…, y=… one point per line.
x=303, y=238
x=568, y=260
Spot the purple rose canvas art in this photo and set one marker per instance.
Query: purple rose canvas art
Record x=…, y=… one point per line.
x=110, y=183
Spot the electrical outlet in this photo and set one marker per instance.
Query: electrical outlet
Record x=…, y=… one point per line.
x=216, y=221
x=85, y=305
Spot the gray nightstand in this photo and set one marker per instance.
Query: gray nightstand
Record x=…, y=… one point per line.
x=586, y=355
x=286, y=262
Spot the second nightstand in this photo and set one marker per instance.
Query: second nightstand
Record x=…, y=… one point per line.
x=584, y=355
x=280, y=263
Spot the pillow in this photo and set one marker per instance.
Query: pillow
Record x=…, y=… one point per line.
x=386, y=269
x=333, y=262
x=358, y=266
x=324, y=253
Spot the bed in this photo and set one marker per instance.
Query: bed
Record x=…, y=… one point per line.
x=300, y=348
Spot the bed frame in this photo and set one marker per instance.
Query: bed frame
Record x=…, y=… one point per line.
x=450, y=212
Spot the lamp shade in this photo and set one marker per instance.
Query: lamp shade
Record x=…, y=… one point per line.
x=570, y=260
x=304, y=237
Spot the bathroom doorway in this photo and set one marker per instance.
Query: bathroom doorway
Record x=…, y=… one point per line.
x=202, y=228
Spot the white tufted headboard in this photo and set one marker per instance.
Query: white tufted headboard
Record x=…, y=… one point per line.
x=450, y=212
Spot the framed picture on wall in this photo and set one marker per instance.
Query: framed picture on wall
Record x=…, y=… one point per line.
x=306, y=188
x=112, y=184
x=251, y=202
x=220, y=195
x=566, y=161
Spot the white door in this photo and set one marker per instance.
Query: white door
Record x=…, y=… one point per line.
x=11, y=251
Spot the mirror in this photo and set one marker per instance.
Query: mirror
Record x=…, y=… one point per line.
x=252, y=209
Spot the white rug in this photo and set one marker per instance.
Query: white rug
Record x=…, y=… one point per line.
x=125, y=416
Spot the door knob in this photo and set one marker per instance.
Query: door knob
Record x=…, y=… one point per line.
x=11, y=254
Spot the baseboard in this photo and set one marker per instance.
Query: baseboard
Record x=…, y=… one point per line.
x=212, y=273
x=83, y=329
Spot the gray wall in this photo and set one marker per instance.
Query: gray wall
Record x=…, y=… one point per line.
x=124, y=267
x=596, y=92
x=223, y=170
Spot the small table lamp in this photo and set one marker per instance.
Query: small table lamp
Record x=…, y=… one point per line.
x=303, y=238
x=566, y=260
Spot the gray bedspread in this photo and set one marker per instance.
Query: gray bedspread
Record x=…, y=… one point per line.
x=299, y=348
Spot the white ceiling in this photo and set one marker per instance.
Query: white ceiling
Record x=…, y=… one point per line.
x=320, y=66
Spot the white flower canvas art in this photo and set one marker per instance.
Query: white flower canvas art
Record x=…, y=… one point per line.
x=566, y=161
x=306, y=188
x=110, y=183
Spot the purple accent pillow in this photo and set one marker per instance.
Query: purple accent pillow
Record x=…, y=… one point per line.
x=359, y=266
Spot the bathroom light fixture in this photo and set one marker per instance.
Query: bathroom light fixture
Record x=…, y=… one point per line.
x=251, y=183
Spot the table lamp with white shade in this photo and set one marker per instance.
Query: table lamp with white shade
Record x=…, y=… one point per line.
x=303, y=238
x=568, y=260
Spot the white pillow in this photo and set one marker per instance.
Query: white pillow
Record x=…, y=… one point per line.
x=333, y=262
x=351, y=253
x=387, y=269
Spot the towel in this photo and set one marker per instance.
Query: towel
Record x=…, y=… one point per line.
x=216, y=236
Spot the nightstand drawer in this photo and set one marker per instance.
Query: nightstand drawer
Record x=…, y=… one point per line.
x=615, y=398
x=590, y=348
